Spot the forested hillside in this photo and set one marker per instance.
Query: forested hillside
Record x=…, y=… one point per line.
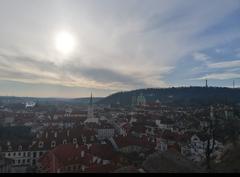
x=178, y=96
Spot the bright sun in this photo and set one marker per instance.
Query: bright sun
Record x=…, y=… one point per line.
x=64, y=42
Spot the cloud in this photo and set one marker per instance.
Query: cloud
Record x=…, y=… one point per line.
x=225, y=64
x=200, y=57
x=220, y=76
x=23, y=69
x=220, y=51
x=121, y=45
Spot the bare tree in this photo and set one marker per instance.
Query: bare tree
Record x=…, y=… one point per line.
x=232, y=127
x=212, y=125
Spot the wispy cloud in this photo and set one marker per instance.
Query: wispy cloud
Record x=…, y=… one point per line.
x=200, y=57
x=225, y=64
x=220, y=76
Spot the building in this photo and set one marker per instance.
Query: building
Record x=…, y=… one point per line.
x=90, y=116
x=5, y=164
x=69, y=158
x=141, y=101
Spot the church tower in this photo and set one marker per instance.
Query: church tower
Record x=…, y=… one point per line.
x=90, y=115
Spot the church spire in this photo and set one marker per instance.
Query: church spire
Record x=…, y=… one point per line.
x=91, y=100
x=90, y=108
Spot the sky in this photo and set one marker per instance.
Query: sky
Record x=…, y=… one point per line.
x=118, y=45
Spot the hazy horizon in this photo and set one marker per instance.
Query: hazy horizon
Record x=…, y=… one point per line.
x=102, y=96
x=70, y=48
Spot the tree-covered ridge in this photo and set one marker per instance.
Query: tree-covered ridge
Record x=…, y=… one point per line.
x=179, y=96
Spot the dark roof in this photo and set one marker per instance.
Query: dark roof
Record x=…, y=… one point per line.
x=127, y=169
x=169, y=162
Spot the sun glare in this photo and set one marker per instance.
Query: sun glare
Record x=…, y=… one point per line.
x=64, y=42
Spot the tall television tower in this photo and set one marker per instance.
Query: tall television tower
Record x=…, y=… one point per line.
x=206, y=83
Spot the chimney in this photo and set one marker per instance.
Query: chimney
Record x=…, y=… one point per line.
x=82, y=154
x=76, y=146
x=8, y=143
x=55, y=134
x=83, y=168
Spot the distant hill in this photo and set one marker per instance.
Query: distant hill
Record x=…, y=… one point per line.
x=22, y=100
x=178, y=96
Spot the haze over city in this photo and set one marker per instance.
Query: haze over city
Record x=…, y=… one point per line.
x=68, y=48
x=110, y=86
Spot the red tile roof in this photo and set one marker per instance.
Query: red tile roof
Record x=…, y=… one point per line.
x=64, y=155
x=101, y=168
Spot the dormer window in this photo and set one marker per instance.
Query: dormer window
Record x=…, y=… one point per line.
x=65, y=141
x=53, y=144
x=40, y=145
x=9, y=148
x=20, y=147
x=74, y=140
x=84, y=139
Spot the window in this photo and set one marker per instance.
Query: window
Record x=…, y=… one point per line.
x=9, y=154
x=19, y=154
x=74, y=140
x=29, y=154
x=53, y=144
x=19, y=161
x=40, y=145
x=28, y=160
x=34, y=154
x=14, y=154
x=24, y=154
x=23, y=161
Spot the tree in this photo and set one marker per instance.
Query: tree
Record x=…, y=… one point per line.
x=212, y=126
x=232, y=127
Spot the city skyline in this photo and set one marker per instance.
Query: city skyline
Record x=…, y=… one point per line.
x=69, y=48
